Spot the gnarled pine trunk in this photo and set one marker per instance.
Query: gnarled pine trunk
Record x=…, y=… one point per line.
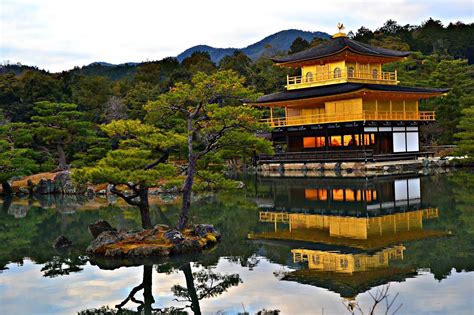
x=144, y=208
x=7, y=188
x=61, y=158
x=188, y=183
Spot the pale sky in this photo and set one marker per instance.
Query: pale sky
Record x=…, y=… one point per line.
x=59, y=34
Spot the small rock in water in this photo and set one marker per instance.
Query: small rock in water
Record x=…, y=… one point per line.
x=98, y=227
x=62, y=242
x=174, y=236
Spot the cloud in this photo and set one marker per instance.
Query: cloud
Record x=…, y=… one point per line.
x=23, y=290
x=58, y=35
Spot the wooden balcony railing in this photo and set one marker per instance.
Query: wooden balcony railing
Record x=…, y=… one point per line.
x=348, y=117
x=344, y=75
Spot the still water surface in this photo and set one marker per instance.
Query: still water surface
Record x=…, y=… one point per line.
x=316, y=246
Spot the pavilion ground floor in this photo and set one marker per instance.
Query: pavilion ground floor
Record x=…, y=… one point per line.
x=357, y=141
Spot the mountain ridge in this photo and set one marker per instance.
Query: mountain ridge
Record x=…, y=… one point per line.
x=280, y=41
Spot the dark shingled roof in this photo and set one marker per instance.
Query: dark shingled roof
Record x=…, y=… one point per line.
x=335, y=45
x=335, y=89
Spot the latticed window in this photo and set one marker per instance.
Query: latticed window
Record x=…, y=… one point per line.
x=375, y=74
x=344, y=263
x=337, y=72
x=357, y=263
x=316, y=260
x=309, y=76
x=350, y=72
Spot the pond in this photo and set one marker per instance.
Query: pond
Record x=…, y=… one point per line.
x=297, y=245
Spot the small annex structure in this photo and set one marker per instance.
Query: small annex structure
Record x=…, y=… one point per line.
x=344, y=107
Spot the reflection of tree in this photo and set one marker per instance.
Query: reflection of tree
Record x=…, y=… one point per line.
x=209, y=284
x=381, y=296
x=145, y=306
x=60, y=266
x=199, y=285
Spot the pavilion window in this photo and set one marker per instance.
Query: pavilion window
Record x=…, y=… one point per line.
x=344, y=263
x=314, y=142
x=316, y=259
x=338, y=194
x=309, y=77
x=335, y=141
x=375, y=74
x=350, y=195
x=309, y=142
x=315, y=194
x=337, y=72
x=350, y=72
x=369, y=139
x=357, y=263
x=351, y=140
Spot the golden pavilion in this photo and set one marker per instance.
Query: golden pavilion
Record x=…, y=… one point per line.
x=343, y=106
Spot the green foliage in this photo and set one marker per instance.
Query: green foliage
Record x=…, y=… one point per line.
x=16, y=156
x=16, y=162
x=240, y=63
x=199, y=62
x=299, y=44
x=222, y=127
x=268, y=77
x=139, y=146
x=430, y=71
x=466, y=136
x=90, y=93
x=63, y=131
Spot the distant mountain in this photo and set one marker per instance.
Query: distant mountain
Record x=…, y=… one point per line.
x=280, y=41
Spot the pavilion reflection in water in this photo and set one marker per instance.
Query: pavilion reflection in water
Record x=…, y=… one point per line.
x=346, y=234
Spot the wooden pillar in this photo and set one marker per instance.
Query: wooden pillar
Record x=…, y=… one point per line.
x=271, y=116
x=391, y=109
x=286, y=115
x=404, y=110
x=376, y=109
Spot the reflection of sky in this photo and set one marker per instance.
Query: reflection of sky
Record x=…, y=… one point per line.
x=23, y=290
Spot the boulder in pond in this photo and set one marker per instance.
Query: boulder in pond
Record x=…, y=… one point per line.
x=159, y=241
x=99, y=245
x=63, y=184
x=62, y=242
x=98, y=227
x=44, y=187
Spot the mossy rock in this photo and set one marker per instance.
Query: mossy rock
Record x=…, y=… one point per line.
x=157, y=242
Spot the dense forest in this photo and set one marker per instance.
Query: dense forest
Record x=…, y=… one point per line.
x=53, y=120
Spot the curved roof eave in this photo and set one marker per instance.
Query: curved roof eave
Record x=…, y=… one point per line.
x=343, y=88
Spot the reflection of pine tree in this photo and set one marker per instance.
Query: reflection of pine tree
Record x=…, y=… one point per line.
x=60, y=266
x=145, y=306
x=199, y=285
x=209, y=284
